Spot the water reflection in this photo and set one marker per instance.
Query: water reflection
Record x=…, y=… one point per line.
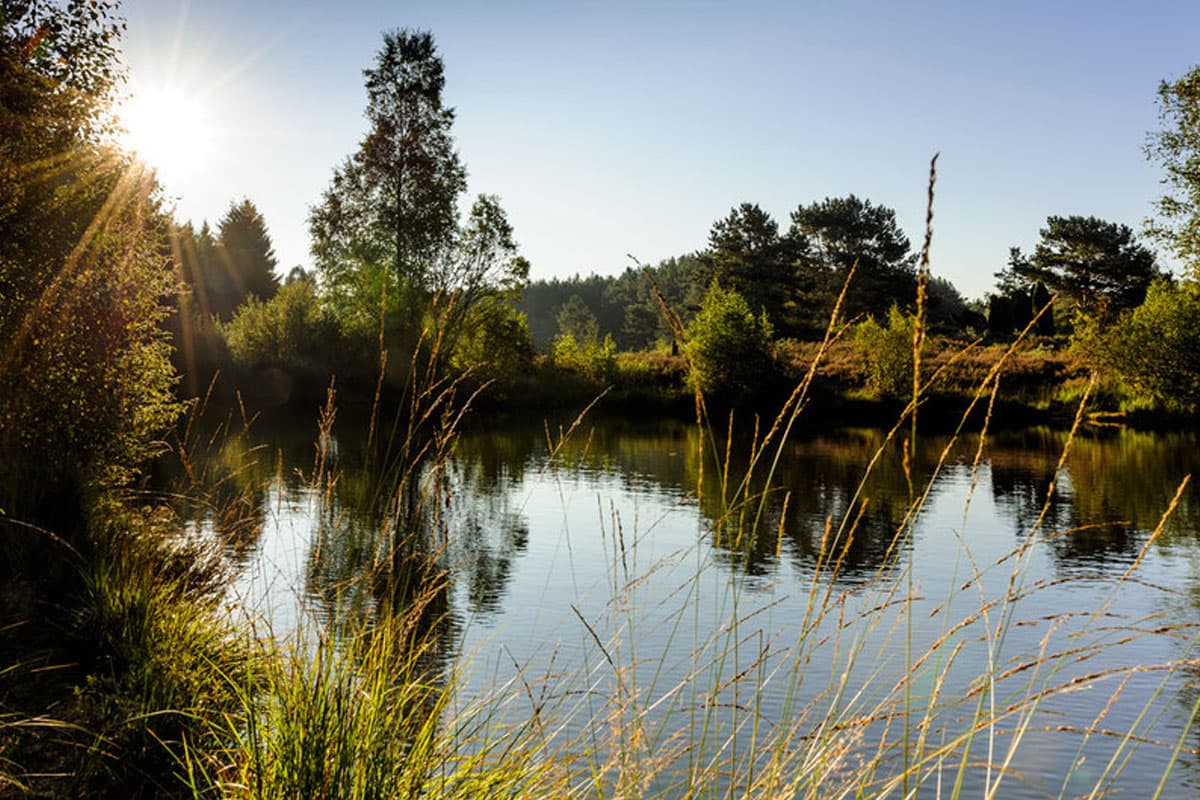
x=1110, y=493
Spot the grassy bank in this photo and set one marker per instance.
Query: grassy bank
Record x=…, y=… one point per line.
x=1042, y=384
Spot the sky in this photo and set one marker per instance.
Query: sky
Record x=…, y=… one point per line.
x=616, y=128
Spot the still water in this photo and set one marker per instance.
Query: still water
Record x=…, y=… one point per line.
x=790, y=609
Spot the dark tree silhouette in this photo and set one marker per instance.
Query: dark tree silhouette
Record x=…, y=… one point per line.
x=839, y=232
x=247, y=252
x=1093, y=265
x=85, y=380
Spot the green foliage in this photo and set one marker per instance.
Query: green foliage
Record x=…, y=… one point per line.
x=542, y=302
x=393, y=205
x=496, y=341
x=729, y=347
x=1094, y=266
x=1154, y=350
x=167, y=661
x=746, y=253
x=85, y=377
x=579, y=346
x=1177, y=148
x=62, y=67
x=946, y=306
x=354, y=719
x=623, y=305
x=577, y=320
x=887, y=351
x=482, y=269
x=249, y=256
x=1021, y=297
x=632, y=294
x=224, y=271
x=386, y=239
x=291, y=330
x=593, y=358
x=839, y=233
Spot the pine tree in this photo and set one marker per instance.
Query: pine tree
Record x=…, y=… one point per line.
x=248, y=255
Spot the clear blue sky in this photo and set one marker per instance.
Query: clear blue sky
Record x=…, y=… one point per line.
x=611, y=128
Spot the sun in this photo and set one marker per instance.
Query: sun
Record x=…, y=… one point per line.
x=171, y=130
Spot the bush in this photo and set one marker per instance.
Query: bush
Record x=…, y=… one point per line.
x=291, y=331
x=1153, y=350
x=495, y=341
x=660, y=371
x=886, y=350
x=730, y=348
x=592, y=358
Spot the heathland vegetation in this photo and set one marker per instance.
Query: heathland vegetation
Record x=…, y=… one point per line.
x=123, y=671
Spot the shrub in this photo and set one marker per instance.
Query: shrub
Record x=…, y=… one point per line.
x=886, y=351
x=1153, y=350
x=592, y=358
x=85, y=371
x=495, y=340
x=291, y=330
x=730, y=348
x=652, y=370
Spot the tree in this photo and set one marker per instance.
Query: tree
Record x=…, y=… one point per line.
x=643, y=326
x=497, y=343
x=540, y=301
x=393, y=205
x=838, y=233
x=1020, y=298
x=248, y=255
x=578, y=346
x=482, y=265
x=84, y=260
x=1095, y=266
x=746, y=253
x=887, y=352
x=197, y=343
x=575, y=318
x=386, y=237
x=1177, y=148
x=224, y=270
x=947, y=311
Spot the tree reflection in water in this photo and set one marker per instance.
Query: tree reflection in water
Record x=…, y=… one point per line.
x=1110, y=494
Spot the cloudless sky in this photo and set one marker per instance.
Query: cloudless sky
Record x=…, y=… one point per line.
x=611, y=128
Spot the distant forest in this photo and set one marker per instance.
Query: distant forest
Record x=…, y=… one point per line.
x=792, y=277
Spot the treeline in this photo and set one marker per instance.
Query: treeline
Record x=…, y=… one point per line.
x=792, y=276
x=1090, y=289
x=1086, y=265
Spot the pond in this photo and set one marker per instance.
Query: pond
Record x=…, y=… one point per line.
x=606, y=579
